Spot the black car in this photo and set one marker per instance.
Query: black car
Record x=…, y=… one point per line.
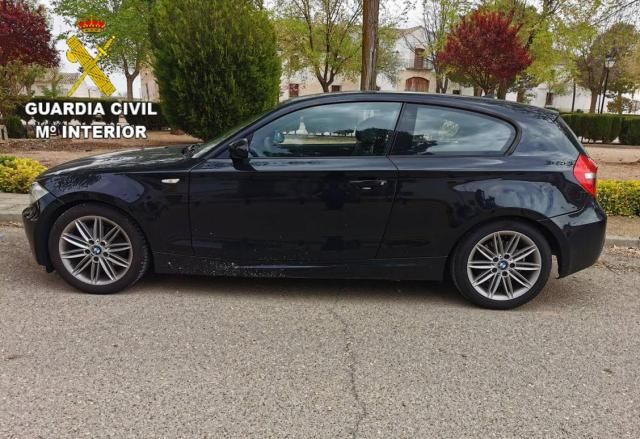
x=348, y=185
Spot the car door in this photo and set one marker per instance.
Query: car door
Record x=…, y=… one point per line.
x=318, y=188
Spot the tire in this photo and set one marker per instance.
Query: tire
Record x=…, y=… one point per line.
x=506, y=278
x=115, y=261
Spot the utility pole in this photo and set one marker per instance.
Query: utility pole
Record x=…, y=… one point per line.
x=370, y=15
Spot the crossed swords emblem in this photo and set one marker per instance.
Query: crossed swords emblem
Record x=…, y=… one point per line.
x=77, y=53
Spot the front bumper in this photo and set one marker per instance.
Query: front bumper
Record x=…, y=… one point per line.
x=580, y=237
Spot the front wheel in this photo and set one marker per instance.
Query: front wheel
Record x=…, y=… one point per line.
x=97, y=249
x=502, y=265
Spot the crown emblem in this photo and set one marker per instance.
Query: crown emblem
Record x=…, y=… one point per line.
x=91, y=26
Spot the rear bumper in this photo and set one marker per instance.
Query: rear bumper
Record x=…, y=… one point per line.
x=580, y=237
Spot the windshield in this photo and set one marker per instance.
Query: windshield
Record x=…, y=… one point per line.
x=211, y=144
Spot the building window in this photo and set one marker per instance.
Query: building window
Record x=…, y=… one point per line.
x=294, y=90
x=336, y=88
x=418, y=60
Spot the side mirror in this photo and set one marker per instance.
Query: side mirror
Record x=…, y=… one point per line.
x=239, y=150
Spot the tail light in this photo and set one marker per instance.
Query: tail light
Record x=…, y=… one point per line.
x=585, y=171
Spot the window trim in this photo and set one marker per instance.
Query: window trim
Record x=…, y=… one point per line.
x=508, y=149
x=388, y=148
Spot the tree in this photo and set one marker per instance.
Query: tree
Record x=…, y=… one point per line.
x=617, y=42
x=53, y=90
x=548, y=30
x=25, y=35
x=370, y=18
x=485, y=51
x=29, y=76
x=325, y=37
x=127, y=20
x=319, y=35
x=438, y=17
x=216, y=63
x=25, y=42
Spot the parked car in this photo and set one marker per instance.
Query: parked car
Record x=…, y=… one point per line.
x=345, y=185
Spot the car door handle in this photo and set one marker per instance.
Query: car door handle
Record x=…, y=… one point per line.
x=367, y=185
x=170, y=180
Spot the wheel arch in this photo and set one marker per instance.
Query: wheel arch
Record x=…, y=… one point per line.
x=553, y=239
x=72, y=202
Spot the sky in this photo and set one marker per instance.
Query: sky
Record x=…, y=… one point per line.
x=118, y=79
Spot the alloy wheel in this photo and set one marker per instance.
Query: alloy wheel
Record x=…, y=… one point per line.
x=504, y=265
x=95, y=250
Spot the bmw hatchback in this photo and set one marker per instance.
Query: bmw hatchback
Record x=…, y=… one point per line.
x=351, y=185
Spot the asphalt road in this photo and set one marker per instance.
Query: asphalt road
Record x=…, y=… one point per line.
x=204, y=357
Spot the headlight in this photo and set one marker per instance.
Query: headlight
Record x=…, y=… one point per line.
x=37, y=192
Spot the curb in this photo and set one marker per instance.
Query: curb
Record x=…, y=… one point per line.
x=622, y=241
x=11, y=217
x=610, y=241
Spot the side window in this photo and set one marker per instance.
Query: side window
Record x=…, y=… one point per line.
x=429, y=130
x=334, y=130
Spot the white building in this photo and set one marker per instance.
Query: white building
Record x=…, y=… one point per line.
x=67, y=80
x=416, y=75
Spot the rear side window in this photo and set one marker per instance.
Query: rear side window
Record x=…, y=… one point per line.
x=333, y=130
x=548, y=136
x=430, y=130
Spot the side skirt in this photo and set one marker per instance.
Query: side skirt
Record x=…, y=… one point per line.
x=394, y=269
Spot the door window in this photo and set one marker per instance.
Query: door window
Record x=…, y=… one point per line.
x=335, y=130
x=429, y=130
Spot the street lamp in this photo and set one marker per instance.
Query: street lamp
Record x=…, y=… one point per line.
x=609, y=61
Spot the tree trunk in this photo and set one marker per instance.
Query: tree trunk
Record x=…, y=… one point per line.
x=477, y=91
x=594, y=100
x=442, y=83
x=130, y=79
x=501, y=92
x=324, y=84
x=370, y=15
x=522, y=95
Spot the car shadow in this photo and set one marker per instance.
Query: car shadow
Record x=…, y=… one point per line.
x=329, y=290
x=559, y=294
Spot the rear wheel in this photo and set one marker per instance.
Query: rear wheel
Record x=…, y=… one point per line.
x=97, y=249
x=502, y=265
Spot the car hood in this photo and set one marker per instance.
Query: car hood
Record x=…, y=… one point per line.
x=130, y=160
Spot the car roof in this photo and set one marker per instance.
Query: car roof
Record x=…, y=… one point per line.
x=470, y=102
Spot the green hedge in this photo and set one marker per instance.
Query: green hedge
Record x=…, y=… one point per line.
x=151, y=122
x=630, y=132
x=619, y=197
x=605, y=127
x=15, y=128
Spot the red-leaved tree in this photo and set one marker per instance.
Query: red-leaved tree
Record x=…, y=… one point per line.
x=25, y=47
x=24, y=35
x=484, y=51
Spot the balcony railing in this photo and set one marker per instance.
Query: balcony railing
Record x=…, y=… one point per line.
x=415, y=63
